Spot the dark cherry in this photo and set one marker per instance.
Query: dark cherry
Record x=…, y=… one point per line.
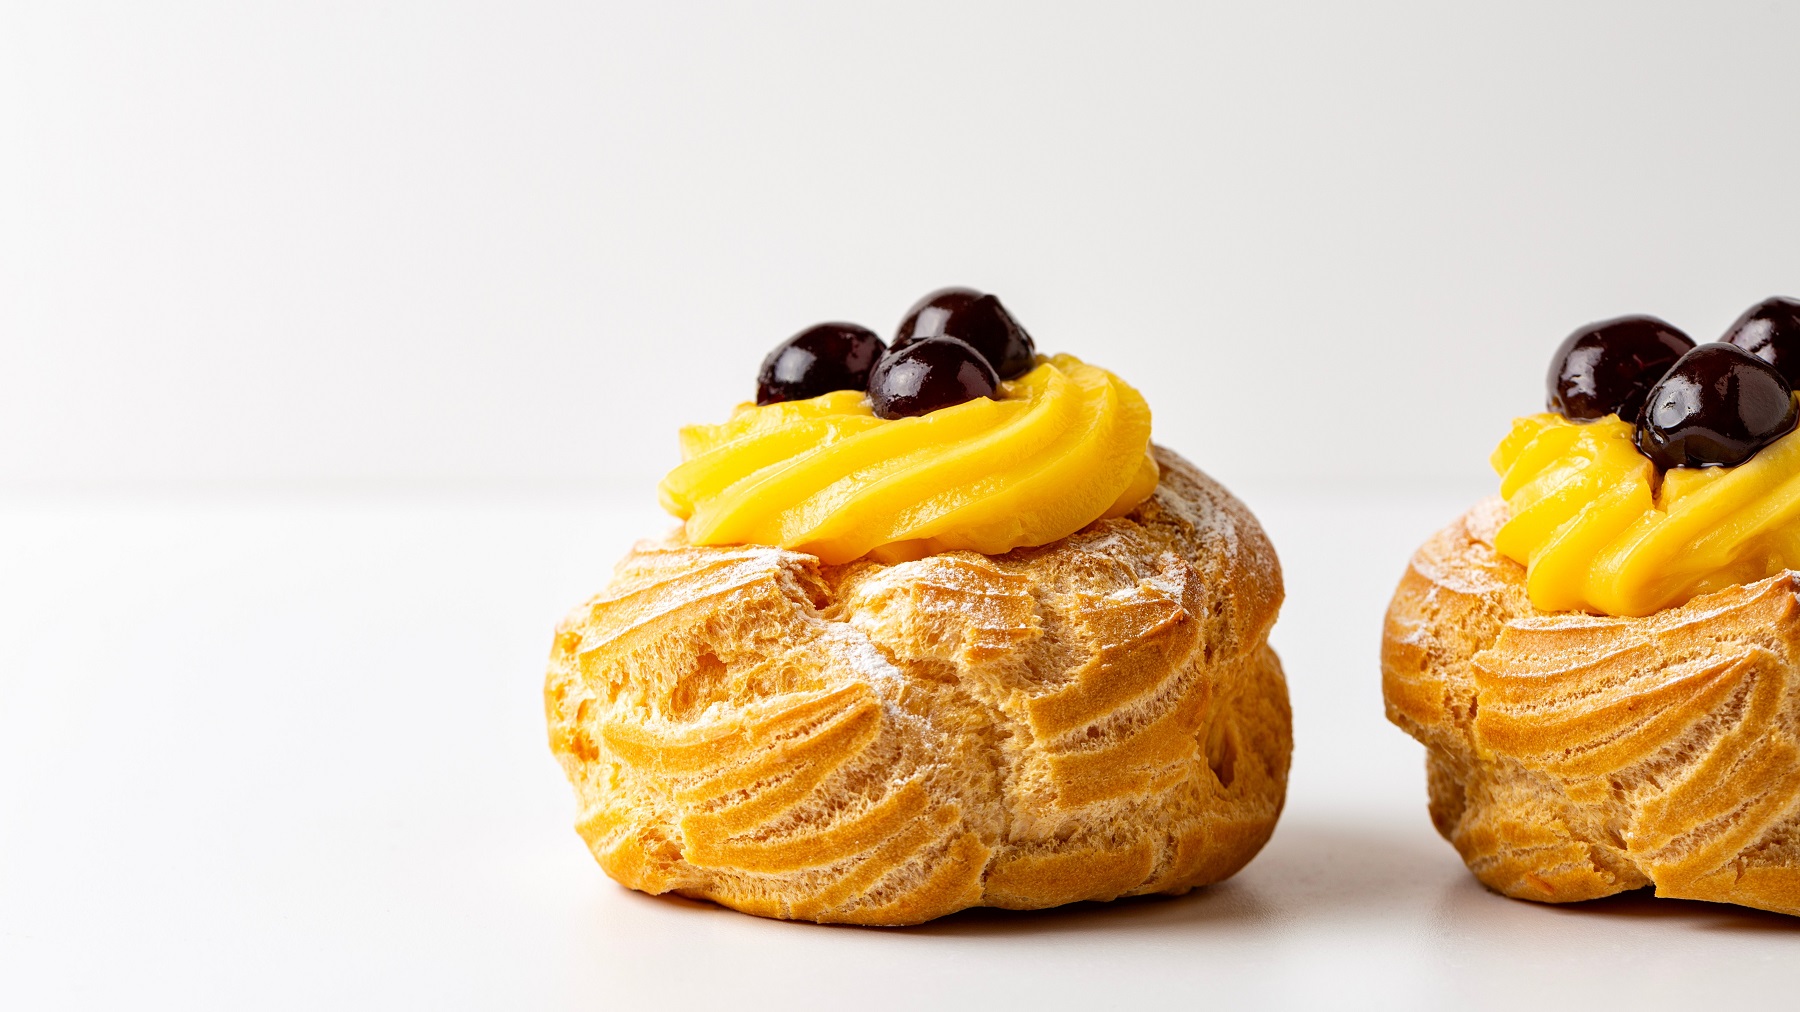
x=1716, y=407
x=818, y=360
x=1608, y=367
x=1770, y=330
x=927, y=316
x=971, y=316
x=929, y=374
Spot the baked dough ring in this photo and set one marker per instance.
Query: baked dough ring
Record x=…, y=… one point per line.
x=885, y=744
x=1572, y=756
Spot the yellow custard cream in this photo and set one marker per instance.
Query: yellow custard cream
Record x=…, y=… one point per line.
x=1064, y=445
x=1598, y=532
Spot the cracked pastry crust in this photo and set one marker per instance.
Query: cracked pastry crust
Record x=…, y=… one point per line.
x=1573, y=756
x=885, y=744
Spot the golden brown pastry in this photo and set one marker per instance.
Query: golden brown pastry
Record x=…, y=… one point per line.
x=1601, y=661
x=1572, y=756
x=875, y=743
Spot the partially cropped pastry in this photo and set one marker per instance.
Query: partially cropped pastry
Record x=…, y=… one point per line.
x=1604, y=661
x=941, y=629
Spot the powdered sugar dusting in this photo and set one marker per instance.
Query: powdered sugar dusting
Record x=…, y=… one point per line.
x=856, y=650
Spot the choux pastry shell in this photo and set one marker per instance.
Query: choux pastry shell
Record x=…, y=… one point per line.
x=884, y=744
x=1573, y=756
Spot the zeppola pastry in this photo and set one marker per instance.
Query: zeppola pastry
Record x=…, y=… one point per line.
x=941, y=628
x=1604, y=661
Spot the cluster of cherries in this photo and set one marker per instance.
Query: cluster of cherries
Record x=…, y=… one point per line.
x=954, y=345
x=1714, y=405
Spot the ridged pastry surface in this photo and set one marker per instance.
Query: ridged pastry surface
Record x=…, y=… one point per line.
x=1573, y=756
x=884, y=744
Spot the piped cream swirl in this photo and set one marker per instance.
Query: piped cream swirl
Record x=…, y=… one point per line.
x=1598, y=530
x=1063, y=445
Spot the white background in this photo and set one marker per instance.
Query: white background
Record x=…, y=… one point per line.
x=443, y=243
x=341, y=345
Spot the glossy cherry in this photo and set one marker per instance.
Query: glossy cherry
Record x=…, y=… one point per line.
x=1715, y=407
x=1770, y=330
x=976, y=318
x=929, y=374
x=1608, y=367
x=927, y=316
x=818, y=360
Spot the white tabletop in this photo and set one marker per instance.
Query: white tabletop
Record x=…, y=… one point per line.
x=288, y=753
